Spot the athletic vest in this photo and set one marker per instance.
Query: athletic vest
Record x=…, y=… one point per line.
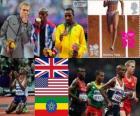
x=95, y=96
x=19, y=91
x=81, y=90
x=129, y=85
x=116, y=94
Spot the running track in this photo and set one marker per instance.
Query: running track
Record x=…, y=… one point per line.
x=5, y=101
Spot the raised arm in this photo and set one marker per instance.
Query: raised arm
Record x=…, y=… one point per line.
x=23, y=84
x=122, y=6
x=13, y=84
x=103, y=90
x=72, y=88
x=105, y=3
x=134, y=94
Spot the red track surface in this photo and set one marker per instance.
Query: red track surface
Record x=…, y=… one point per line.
x=7, y=101
x=93, y=30
x=133, y=22
x=119, y=50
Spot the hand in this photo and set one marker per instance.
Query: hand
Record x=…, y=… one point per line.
x=75, y=54
x=75, y=47
x=37, y=25
x=38, y=22
x=110, y=104
x=136, y=99
x=130, y=94
x=16, y=74
x=61, y=37
x=25, y=19
x=9, y=50
x=63, y=34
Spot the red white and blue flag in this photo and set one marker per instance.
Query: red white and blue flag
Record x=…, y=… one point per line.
x=51, y=68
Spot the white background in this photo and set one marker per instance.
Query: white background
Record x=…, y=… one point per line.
x=95, y=7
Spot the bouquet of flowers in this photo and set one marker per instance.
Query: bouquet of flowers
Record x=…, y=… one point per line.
x=49, y=53
x=11, y=43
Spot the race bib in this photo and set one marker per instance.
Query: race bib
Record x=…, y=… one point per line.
x=117, y=98
x=98, y=98
x=83, y=96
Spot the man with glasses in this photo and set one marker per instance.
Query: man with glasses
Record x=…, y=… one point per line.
x=95, y=99
x=16, y=32
x=43, y=33
x=70, y=38
x=77, y=94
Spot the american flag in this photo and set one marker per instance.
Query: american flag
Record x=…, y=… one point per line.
x=51, y=68
x=51, y=87
x=47, y=86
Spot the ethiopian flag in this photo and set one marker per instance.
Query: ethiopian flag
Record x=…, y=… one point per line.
x=50, y=105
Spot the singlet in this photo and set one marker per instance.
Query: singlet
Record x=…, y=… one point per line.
x=95, y=96
x=129, y=86
x=116, y=93
x=19, y=91
x=81, y=90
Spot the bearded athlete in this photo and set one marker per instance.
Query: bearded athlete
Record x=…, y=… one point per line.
x=78, y=96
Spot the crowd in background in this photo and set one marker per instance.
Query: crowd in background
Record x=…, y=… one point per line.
x=9, y=65
x=55, y=8
x=108, y=67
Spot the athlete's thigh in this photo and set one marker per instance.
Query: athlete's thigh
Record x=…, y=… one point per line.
x=128, y=114
x=116, y=20
x=109, y=24
x=122, y=113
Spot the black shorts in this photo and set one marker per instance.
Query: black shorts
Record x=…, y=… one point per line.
x=77, y=109
x=20, y=99
x=113, y=111
x=110, y=16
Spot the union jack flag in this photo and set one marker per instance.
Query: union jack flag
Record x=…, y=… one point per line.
x=51, y=68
